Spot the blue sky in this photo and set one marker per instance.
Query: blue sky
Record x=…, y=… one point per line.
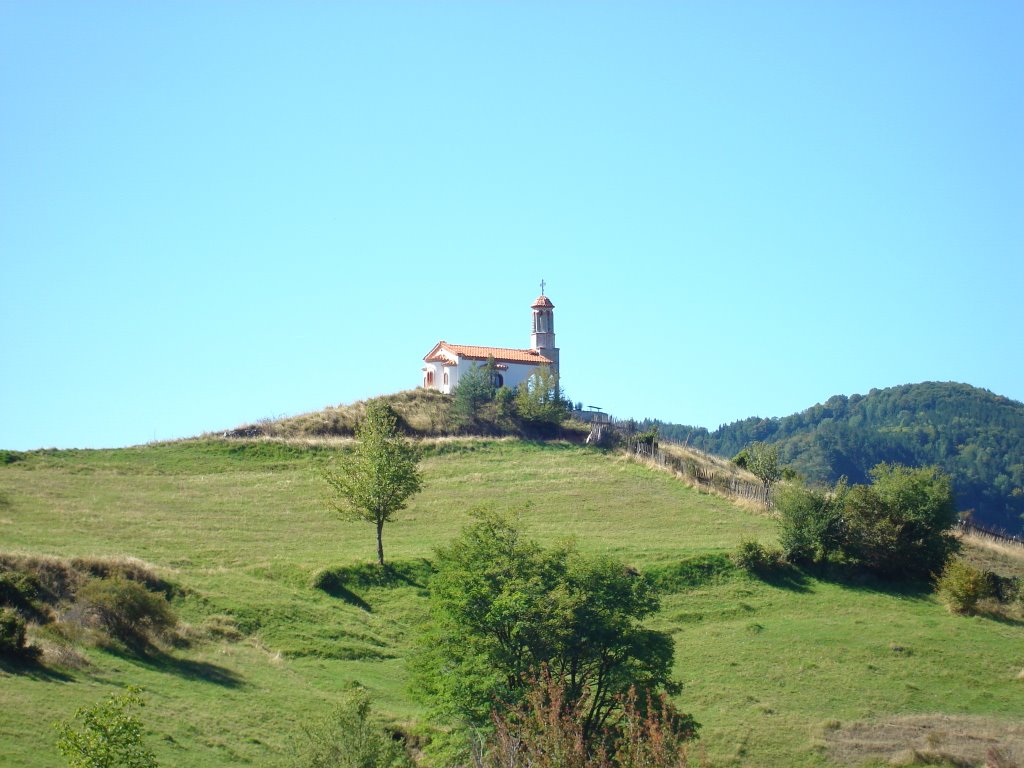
x=214, y=212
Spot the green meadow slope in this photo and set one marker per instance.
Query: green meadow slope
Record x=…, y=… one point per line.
x=780, y=674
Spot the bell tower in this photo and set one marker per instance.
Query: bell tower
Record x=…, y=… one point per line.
x=543, y=337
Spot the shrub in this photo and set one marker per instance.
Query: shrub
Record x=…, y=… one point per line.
x=124, y=568
x=1005, y=589
x=10, y=457
x=505, y=398
x=961, y=586
x=351, y=738
x=754, y=557
x=127, y=610
x=648, y=438
x=12, y=633
x=51, y=580
x=21, y=591
x=811, y=526
x=900, y=525
x=652, y=734
x=109, y=735
x=547, y=731
x=18, y=588
x=540, y=401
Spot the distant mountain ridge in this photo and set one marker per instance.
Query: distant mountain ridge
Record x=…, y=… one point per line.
x=974, y=435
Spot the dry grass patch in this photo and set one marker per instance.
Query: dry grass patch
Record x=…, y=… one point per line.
x=420, y=411
x=988, y=554
x=55, y=649
x=956, y=740
x=61, y=578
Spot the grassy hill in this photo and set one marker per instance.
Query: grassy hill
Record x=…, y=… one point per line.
x=421, y=413
x=797, y=672
x=977, y=437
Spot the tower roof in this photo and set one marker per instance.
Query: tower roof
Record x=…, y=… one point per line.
x=542, y=302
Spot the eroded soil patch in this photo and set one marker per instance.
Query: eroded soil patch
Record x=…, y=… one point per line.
x=924, y=739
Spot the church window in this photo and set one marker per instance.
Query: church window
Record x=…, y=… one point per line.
x=446, y=378
x=430, y=379
x=497, y=380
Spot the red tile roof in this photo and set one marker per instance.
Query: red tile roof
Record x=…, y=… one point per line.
x=542, y=301
x=500, y=354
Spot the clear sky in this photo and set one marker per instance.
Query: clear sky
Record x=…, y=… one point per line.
x=216, y=212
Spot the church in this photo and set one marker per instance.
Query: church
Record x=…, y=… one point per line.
x=446, y=361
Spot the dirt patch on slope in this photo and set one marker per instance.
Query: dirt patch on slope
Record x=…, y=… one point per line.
x=929, y=740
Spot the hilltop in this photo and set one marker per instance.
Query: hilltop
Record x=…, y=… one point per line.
x=422, y=413
x=975, y=436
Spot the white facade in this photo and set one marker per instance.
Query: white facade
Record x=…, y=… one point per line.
x=444, y=376
x=446, y=363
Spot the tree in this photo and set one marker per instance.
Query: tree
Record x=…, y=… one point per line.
x=540, y=400
x=762, y=460
x=476, y=387
x=900, y=525
x=504, y=608
x=374, y=481
x=110, y=736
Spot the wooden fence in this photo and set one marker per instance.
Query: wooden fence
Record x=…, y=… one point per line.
x=992, y=534
x=703, y=475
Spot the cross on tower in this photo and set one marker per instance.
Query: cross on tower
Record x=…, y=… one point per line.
x=542, y=284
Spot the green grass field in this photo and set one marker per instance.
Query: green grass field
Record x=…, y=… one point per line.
x=773, y=670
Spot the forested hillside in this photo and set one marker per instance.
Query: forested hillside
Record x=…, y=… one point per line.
x=973, y=434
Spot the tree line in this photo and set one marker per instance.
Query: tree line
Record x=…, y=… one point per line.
x=973, y=435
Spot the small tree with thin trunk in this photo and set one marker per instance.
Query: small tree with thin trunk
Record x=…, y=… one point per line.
x=763, y=461
x=374, y=481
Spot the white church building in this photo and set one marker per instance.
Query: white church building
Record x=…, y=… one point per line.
x=446, y=362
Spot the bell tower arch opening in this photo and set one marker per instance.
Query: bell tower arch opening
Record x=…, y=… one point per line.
x=542, y=337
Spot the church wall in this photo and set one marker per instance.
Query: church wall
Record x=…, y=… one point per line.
x=433, y=377
x=517, y=374
x=512, y=376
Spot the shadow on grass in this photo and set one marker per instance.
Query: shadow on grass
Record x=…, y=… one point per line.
x=799, y=579
x=998, y=617
x=788, y=578
x=699, y=571
x=341, y=581
x=346, y=594
x=858, y=579
x=691, y=572
x=197, y=671
x=32, y=668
